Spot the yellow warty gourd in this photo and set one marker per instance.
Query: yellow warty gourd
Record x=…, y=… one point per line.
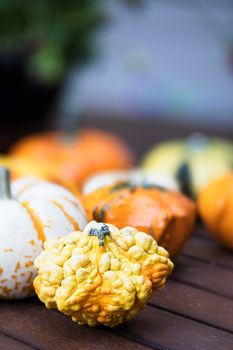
x=102, y=275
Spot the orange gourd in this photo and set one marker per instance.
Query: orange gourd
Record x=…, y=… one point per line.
x=74, y=157
x=167, y=215
x=215, y=204
x=20, y=167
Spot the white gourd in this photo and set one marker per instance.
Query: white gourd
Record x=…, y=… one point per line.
x=135, y=177
x=31, y=211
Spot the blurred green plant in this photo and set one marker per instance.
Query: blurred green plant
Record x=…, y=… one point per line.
x=49, y=33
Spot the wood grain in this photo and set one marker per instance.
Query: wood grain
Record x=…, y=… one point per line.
x=204, y=276
x=7, y=343
x=196, y=304
x=208, y=251
x=40, y=328
x=196, y=300
x=158, y=327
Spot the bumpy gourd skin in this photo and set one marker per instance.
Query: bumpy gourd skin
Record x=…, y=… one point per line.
x=101, y=284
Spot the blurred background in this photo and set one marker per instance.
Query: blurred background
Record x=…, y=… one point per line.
x=148, y=69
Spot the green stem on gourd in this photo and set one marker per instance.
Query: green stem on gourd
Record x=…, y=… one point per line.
x=100, y=232
x=5, y=189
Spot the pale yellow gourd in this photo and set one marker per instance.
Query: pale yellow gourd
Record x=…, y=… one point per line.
x=102, y=275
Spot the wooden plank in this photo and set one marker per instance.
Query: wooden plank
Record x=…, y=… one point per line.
x=48, y=329
x=200, y=231
x=7, y=343
x=196, y=304
x=198, y=274
x=208, y=251
x=154, y=326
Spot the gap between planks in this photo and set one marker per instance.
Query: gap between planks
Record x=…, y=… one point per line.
x=208, y=251
x=48, y=329
x=18, y=343
x=200, y=275
x=175, y=331
x=195, y=304
x=190, y=318
x=150, y=329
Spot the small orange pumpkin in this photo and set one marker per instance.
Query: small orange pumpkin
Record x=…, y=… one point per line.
x=215, y=204
x=74, y=157
x=167, y=215
x=19, y=167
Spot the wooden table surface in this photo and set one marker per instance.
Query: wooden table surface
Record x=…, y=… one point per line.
x=193, y=312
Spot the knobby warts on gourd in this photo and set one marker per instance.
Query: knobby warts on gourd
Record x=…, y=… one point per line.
x=102, y=275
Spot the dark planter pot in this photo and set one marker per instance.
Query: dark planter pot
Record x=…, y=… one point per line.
x=25, y=104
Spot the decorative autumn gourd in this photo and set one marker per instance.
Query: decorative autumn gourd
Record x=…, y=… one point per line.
x=102, y=275
x=135, y=176
x=167, y=215
x=31, y=210
x=215, y=204
x=74, y=157
x=19, y=167
x=193, y=161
